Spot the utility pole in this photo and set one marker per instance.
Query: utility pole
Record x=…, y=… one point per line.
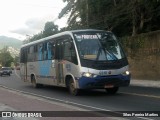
x=87, y=14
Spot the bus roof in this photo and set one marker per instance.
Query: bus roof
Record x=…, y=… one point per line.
x=60, y=34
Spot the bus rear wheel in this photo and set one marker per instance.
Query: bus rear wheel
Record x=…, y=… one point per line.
x=112, y=90
x=34, y=84
x=72, y=88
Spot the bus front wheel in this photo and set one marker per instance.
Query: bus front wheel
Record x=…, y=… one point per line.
x=72, y=88
x=112, y=90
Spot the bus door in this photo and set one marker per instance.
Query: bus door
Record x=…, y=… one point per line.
x=25, y=71
x=59, y=62
x=22, y=71
x=23, y=65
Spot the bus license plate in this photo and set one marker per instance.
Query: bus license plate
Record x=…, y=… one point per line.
x=109, y=86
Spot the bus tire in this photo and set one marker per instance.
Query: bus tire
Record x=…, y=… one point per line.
x=34, y=84
x=72, y=89
x=112, y=90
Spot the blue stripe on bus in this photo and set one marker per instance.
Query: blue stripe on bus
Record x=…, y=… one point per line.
x=44, y=67
x=101, y=81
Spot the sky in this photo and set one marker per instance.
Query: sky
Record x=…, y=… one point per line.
x=22, y=18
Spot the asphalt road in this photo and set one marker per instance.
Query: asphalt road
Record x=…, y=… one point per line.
x=127, y=99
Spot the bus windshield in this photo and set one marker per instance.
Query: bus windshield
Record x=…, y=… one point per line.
x=99, y=46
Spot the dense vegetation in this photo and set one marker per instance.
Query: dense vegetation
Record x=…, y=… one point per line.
x=9, y=51
x=123, y=17
x=49, y=29
x=5, y=57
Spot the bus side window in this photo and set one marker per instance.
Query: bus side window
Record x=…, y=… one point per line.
x=35, y=52
x=53, y=47
x=31, y=54
x=28, y=56
x=49, y=53
x=40, y=51
x=69, y=51
x=73, y=53
x=23, y=55
x=45, y=53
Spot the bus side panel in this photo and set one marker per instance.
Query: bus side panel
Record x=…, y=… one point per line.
x=72, y=70
x=46, y=72
x=23, y=71
x=52, y=78
x=31, y=67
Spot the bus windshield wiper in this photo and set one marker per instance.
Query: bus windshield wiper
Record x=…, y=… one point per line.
x=107, y=54
x=113, y=57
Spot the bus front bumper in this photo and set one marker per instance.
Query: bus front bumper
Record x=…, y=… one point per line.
x=101, y=82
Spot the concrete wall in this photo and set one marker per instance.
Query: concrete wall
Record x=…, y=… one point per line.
x=143, y=53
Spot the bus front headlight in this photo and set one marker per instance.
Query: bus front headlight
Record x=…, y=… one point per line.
x=87, y=74
x=126, y=73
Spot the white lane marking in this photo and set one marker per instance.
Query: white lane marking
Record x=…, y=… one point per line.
x=69, y=102
x=144, y=118
x=142, y=95
x=51, y=98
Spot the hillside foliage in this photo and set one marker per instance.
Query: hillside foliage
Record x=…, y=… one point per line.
x=9, y=41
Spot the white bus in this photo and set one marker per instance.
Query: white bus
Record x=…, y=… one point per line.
x=79, y=59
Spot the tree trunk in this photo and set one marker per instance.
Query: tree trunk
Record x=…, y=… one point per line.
x=134, y=19
x=134, y=31
x=141, y=22
x=115, y=3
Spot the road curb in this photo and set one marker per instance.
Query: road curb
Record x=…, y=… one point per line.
x=145, y=83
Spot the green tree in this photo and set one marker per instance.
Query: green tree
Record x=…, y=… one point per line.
x=50, y=29
x=16, y=60
x=124, y=17
x=36, y=37
x=5, y=57
x=78, y=12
